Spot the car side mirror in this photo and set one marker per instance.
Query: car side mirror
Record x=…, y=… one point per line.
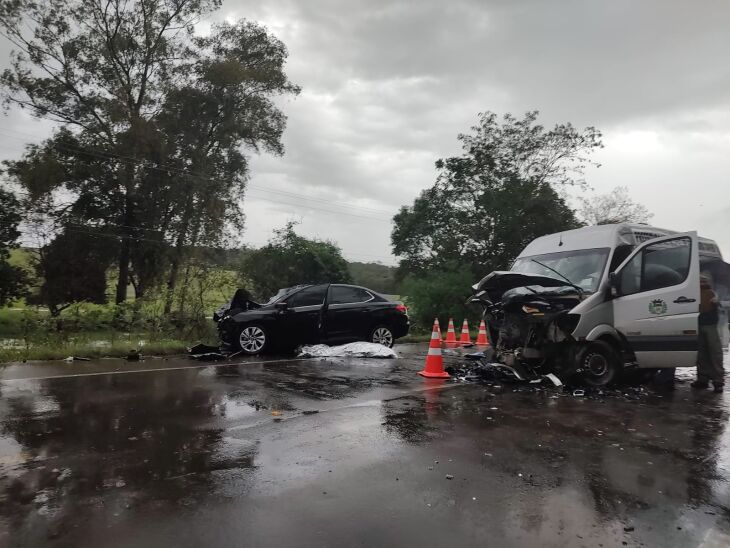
x=615, y=282
x=281, y=307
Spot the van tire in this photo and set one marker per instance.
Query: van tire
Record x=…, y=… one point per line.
x=599, y=363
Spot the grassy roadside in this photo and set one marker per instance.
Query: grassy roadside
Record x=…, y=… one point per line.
x=117, y=349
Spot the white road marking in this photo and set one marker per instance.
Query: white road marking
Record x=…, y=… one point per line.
x=99, y=373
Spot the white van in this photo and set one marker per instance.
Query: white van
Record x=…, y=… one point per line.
x=601, y=297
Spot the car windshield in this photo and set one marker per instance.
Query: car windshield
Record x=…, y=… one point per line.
x=583, y=268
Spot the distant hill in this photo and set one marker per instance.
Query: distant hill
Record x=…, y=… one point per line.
x=378, y=277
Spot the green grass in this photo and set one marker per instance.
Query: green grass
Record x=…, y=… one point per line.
x=85, y=350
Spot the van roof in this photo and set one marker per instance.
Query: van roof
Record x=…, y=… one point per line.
x=591, y=237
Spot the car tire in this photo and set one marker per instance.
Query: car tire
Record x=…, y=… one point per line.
x=253, y=339
x=600, y=364
x=382, y=334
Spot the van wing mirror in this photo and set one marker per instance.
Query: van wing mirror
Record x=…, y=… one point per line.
x=614, y=281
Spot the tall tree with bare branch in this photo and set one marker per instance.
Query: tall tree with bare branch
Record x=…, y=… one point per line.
x=111, y=74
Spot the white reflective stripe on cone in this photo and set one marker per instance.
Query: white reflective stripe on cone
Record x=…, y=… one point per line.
x=434, y=351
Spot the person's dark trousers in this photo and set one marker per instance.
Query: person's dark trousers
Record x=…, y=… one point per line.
x=709, y=366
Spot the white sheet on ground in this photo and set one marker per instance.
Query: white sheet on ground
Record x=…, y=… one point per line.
x=351, y=350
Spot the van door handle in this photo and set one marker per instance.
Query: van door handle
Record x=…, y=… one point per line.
x=684, y=300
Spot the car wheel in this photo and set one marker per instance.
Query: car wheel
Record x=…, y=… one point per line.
x=253, y=339
x=382, y=335
x=599, y=363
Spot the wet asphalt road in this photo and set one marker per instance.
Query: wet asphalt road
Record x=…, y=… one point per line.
x=350, y=453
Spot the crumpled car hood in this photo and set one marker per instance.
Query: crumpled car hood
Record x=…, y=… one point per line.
x=500, y=281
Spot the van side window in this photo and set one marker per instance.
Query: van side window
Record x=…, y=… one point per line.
x=619, y=255
x=659, y=265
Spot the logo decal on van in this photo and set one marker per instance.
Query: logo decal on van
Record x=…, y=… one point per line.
x=658, y=306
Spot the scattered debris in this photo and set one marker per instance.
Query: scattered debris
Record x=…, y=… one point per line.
x=206, y=352
x=65, y=474
x=579, y=393
x=449, y=477
x=628, y=529
x=77, y=359
x=310, y=411
x=133, y=355
x=556, y=381
x=350, y=350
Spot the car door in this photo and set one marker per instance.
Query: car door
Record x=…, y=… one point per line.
x=347, y=313
x=301, y=321
x=657, y=301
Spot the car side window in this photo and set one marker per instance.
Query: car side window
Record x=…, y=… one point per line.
x=309, y=296
x=659, y=265
x=348, y=295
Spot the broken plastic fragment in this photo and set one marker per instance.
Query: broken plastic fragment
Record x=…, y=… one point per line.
x=556, y=381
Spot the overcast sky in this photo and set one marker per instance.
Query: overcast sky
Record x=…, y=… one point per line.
x=387, y=86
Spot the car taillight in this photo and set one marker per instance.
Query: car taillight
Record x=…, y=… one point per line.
x=401, y=308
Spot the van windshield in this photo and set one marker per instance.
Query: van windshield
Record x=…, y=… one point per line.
x=583, y=267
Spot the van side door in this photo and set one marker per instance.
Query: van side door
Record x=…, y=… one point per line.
x=657, y=298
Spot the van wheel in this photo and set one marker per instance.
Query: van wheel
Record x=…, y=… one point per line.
x=599, y=363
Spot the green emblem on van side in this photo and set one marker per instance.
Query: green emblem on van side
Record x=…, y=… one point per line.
x=658, y=306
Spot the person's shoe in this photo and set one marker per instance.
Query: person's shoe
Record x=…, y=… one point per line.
x=700, y=385
x=718, y=388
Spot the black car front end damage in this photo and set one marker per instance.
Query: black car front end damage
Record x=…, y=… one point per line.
x=530, y=323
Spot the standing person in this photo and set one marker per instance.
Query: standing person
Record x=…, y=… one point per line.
x=709, y=365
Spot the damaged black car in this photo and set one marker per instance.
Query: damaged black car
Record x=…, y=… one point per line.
x=310, y=314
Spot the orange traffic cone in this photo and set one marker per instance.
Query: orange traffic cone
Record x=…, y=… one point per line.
x=465, y=336
x=482, y=339
x=451, y=334
x=434, y=367
x=437, y=327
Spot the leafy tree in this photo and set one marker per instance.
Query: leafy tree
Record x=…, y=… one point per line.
x=13, y=279
x=440, y=294
x=289, y=259
x=611, y=208
x=153, y=118
x=73, y=269
x=502, y=192
x=377, y=277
